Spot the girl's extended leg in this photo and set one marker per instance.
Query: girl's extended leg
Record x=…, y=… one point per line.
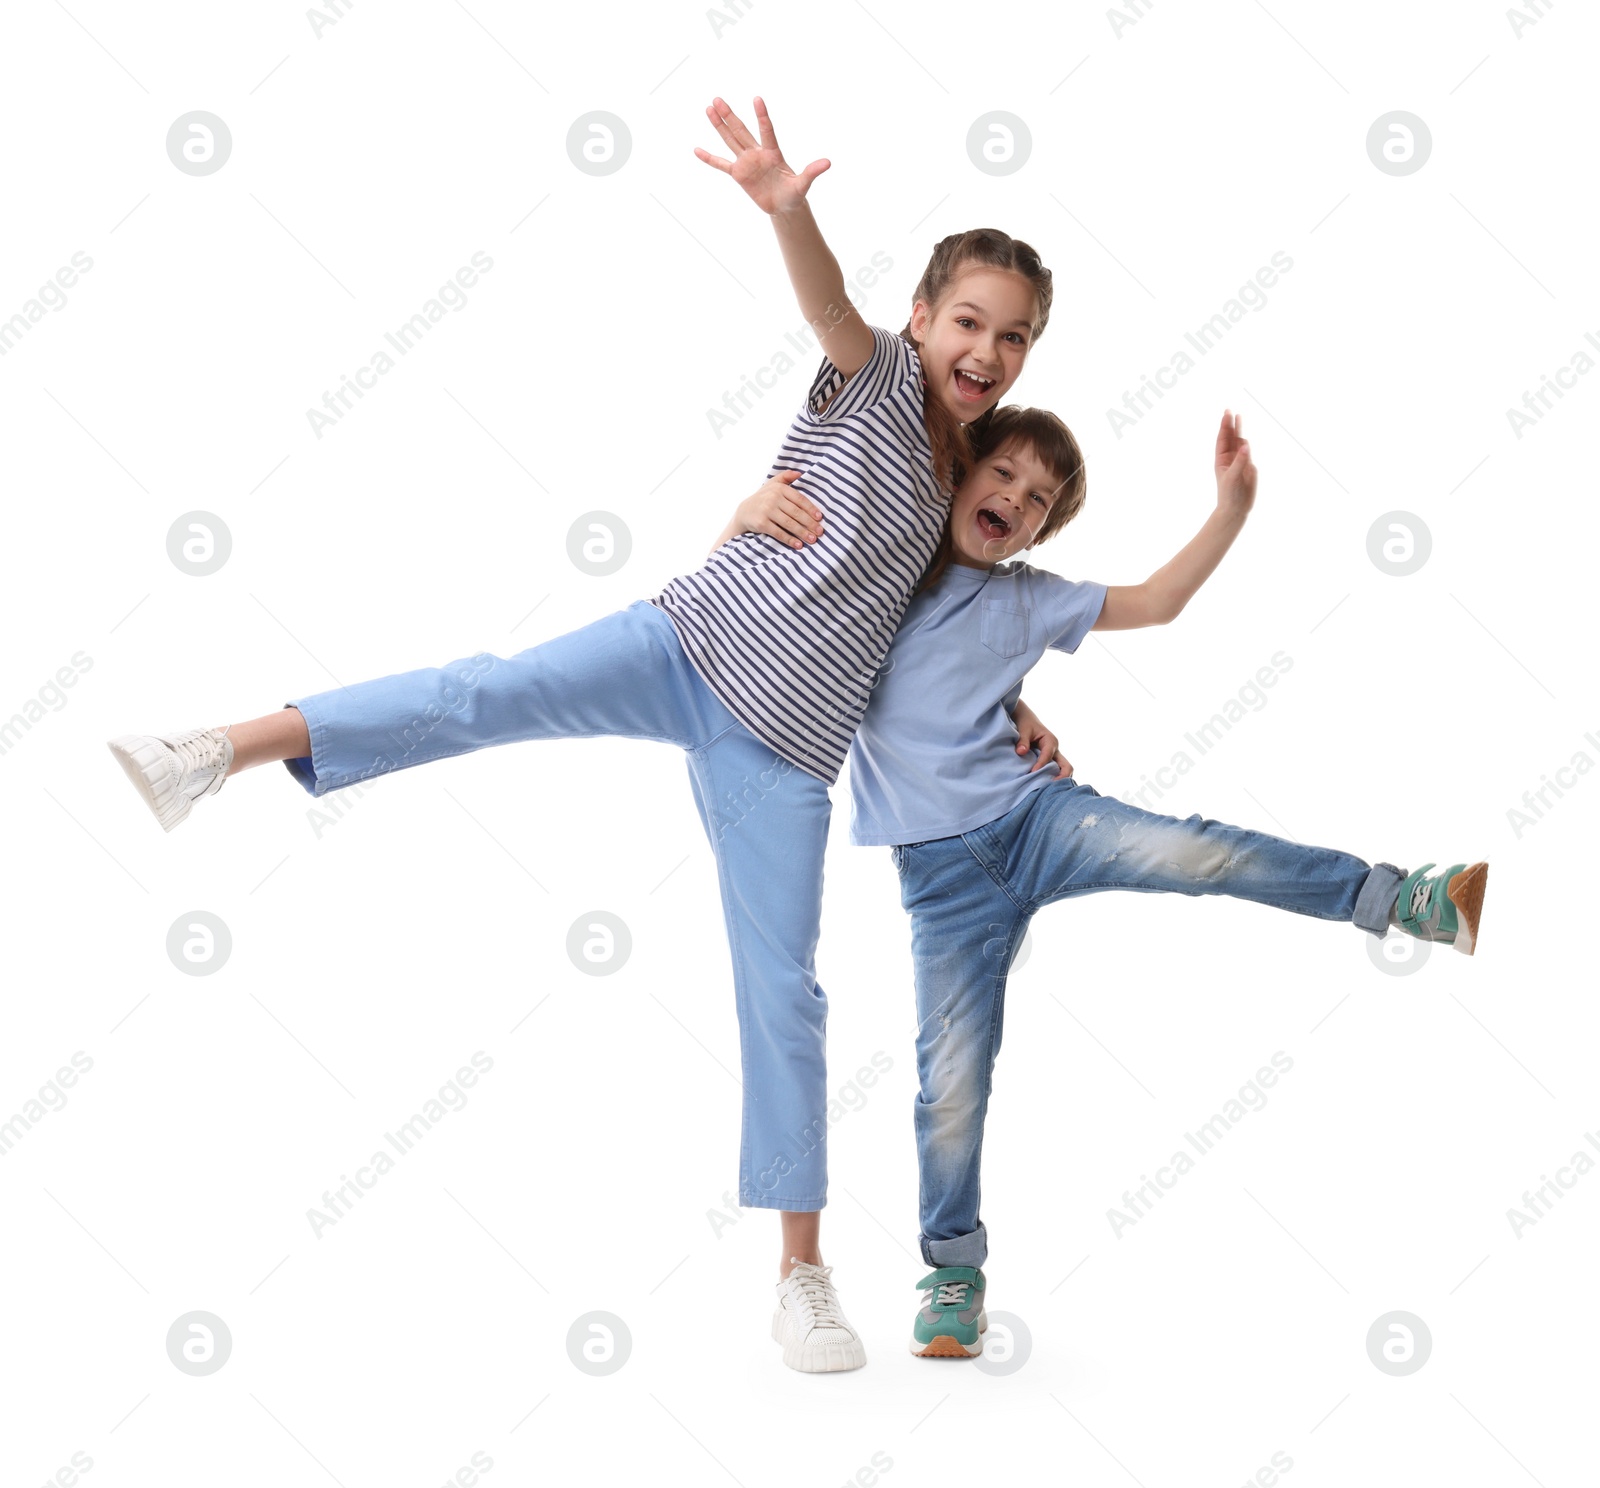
x=624, y=675
x=278, y=736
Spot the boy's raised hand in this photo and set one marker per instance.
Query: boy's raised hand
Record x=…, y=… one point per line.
x=1236, y=471
x=759, y=167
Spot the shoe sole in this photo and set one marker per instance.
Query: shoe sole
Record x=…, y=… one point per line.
x=824, y=1358
x=145, y=761
x=1465, y=891
x=946, y=1347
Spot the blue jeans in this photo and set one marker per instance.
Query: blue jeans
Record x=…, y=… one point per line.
x=970, y=899
x=766, y=820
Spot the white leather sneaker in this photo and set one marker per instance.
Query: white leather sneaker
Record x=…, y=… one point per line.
x=810, y=1324
x=172, y=771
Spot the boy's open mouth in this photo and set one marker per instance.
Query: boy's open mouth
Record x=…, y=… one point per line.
x=992, y=525
x=973, y=386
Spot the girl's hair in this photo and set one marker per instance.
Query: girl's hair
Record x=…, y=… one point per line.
x=1052, y=444
x=980, y=247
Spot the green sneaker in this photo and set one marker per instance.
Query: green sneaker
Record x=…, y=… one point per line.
x=951, y=1320
x=1443, y=906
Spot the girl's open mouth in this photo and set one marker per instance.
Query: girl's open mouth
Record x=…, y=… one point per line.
x=992, y=525
x=972, y=385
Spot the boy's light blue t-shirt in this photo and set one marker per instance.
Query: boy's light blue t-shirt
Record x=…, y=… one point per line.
x=936, y=752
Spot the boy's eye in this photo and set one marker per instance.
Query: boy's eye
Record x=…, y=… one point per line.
x=1001, y=470
x=1017, y=337
x=1040, y=499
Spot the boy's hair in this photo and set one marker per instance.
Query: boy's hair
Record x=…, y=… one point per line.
x=979, y=247
x=1052, y=444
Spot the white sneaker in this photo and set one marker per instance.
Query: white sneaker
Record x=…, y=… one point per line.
x=173, y=771
x=810, y=1324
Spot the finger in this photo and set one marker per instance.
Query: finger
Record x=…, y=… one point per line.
x=769, y=138
x=741, y=136
x=772, y=529
x=1066, y=767
x=797, y=502
x=787, y=475
x=802, y=521
x=715, y=113
x=710, y=159
x=812, y=171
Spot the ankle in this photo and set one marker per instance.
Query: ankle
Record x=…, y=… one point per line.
x=809, y=1255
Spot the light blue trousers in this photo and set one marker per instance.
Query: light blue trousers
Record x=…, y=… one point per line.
x=970, y=899
x=767, y=822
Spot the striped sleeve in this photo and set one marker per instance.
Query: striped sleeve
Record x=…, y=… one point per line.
x=886, y=370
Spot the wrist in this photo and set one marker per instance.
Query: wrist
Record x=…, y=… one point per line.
x=793, y=214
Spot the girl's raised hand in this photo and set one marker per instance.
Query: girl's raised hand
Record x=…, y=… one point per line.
x=759, y=167
x=1236, y=471
x=780, y=511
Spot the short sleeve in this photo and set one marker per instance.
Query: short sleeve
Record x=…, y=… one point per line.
x=891, y=366
x=1070, y=610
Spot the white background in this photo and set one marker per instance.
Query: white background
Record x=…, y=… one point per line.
x=372, y=956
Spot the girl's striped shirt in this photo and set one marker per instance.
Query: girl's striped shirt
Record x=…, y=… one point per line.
x=791, y=640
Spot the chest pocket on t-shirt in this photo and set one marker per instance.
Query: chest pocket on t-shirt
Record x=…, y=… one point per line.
x=1004, y=629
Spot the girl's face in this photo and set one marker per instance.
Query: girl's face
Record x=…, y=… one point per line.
x=976, y=339
x=999, y=509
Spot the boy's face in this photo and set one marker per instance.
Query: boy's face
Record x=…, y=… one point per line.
x=1000, y=507
x=974, y=345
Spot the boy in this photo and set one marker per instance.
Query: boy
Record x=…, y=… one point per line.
x=938, y=774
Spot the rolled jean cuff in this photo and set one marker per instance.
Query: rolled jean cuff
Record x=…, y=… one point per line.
x=964, y=1250
x=1377, y=898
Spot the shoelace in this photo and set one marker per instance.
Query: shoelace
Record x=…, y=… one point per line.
x=951, y=1294
x=1421, y=897
x=197, y=750
x=815, y=1295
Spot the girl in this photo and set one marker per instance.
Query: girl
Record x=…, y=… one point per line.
x=758, y=665
x=936, y=772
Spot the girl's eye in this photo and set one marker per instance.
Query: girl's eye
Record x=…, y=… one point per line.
x=965, y=322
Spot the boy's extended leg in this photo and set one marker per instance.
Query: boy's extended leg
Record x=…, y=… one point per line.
x=1069, y=839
